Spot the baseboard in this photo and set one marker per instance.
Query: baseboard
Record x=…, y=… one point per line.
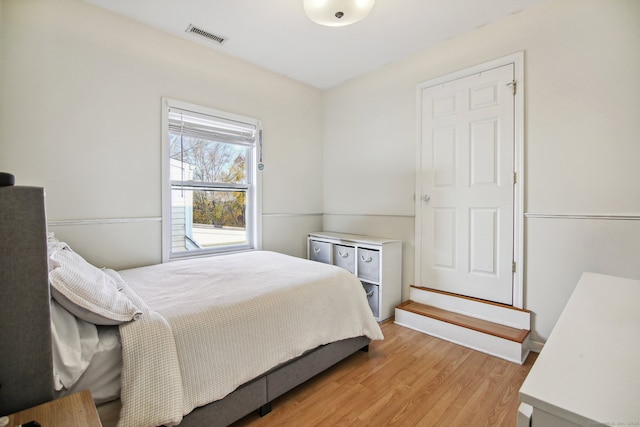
x=536, y=346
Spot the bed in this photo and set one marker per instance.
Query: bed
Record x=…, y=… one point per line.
x=274, y=322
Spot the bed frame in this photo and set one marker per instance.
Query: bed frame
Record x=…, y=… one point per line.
x=26, y=367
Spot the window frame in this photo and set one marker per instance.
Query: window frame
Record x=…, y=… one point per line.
x=253, y=220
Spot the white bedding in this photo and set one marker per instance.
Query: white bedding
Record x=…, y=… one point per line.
x=85, y=356
x=212, y=324
x=74, y=342
x=102, y=376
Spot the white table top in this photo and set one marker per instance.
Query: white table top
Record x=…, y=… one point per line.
x=589, y=369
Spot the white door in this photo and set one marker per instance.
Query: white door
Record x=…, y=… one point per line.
x=466, y=177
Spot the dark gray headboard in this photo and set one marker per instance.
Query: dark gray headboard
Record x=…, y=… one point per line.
x=25, y=327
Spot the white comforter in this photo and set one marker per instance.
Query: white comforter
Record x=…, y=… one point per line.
x=211, y=324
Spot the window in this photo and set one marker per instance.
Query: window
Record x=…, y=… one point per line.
x=210, y=189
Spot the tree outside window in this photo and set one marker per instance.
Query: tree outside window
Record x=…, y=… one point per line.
x=210, y=183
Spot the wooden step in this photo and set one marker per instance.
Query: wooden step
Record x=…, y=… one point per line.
x=474, y=324
x=480, y=309
x=486, y=327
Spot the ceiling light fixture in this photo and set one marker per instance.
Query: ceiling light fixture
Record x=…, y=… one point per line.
x=337, y=13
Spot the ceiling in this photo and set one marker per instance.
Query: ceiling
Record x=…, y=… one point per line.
x=277, y=35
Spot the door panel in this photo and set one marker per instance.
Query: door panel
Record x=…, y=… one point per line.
x=444, y=234
x=467, y=172
x=444, y=157
x=483, y=235
x=484, y=152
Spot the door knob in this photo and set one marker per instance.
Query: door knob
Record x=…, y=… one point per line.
x=426, y=198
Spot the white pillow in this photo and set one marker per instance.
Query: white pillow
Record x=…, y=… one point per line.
x=87, y=292
x=53, y=246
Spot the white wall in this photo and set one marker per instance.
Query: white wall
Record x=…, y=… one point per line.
x=80, y=114
x=80, y=92
x=582, y=104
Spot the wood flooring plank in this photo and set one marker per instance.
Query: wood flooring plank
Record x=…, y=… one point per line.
x=409, y=379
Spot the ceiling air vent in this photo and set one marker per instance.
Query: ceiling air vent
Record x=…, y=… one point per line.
x=205, y=34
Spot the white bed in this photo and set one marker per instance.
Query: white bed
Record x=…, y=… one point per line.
x=261, y=309
x=193, y=331
x=296, y=319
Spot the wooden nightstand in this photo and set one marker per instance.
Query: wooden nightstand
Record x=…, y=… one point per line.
x=76, y=410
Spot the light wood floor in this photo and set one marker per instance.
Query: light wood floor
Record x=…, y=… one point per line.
x=409, y=379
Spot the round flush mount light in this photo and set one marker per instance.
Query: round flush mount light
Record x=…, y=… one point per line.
x=337, y=13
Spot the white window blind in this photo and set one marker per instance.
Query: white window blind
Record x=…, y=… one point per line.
x=210, y=127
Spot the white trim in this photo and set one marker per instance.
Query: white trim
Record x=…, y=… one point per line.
x=582, y=216
x=284, y=214
x=166, y=187
x=98, y=221
x=518, y=197
x=517, y=59
x=536, y=346
x=210, y=111
x=371, y=214
x=417, y=220
x=257, y=188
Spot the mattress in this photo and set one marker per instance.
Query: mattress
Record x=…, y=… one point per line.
x=212, y=324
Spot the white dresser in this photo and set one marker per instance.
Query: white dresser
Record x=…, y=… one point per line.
x=376, y=261
x=588, y=373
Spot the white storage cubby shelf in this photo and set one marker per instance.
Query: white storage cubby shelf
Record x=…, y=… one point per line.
x=376, y=261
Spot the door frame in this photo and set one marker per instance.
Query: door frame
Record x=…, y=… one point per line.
x=517, y=59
